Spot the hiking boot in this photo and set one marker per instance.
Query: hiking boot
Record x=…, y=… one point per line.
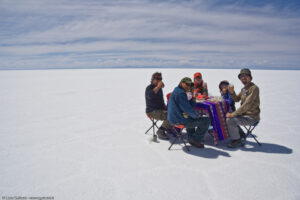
x=171, y=131
x=161, y=134
x=235, y=143
x=196, y=144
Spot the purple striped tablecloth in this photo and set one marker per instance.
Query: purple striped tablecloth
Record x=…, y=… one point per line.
x=217, y=113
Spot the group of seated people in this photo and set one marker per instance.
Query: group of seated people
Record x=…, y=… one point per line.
x=180, y=109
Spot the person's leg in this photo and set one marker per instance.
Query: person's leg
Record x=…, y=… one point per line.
x=202, y=125
x=202, y=128
x=234, y=129
x=190, y=133
x=234, y=122
x=232, y=125
x=161, y=115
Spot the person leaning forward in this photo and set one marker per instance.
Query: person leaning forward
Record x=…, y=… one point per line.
x=248, y=113
x=181, y=112
x=155, y=104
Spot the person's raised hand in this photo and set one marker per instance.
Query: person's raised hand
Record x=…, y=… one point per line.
x=160, y=84
x=231, y=89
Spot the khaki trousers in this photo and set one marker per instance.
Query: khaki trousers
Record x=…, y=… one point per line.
x=234, y=122
x=160, y=115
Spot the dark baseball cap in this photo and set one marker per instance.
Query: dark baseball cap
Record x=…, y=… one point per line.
x=187, y=81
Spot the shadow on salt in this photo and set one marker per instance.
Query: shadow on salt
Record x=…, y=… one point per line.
x=264, y=148
x=206, y=152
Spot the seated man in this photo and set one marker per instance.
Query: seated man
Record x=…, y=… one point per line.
x=249, y=111
x=200, y=87
x=155, y=105
x=181, y=112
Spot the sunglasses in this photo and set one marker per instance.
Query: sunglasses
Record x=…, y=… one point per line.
x=189, y=84
x=158, y=78
x=244, y=75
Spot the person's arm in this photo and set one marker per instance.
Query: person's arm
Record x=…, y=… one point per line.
x=160, y=85
x=205, y=90
x=185, y=106
x=228, y=114
x=193, y=102
x=235, y=97
x=229, y=98
x=149, y=93
x=253, y=94
x=195, y=92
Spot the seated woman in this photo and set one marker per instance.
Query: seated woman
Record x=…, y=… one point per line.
x=200, y=87
x=223, y=86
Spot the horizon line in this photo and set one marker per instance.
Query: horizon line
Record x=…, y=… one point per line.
x=146, y=67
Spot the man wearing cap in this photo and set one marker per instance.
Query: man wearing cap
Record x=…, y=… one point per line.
x=248, y=113
x=200, y=87
x=181, y=112
x=155, y=104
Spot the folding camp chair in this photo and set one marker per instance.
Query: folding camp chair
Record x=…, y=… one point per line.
x=178, y=136
x=154, y=124
x=249, y=129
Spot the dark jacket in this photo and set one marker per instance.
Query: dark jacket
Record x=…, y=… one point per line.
x=154, y=101
x=179, y=104
x=228, y=97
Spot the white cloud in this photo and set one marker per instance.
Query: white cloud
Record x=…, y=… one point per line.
x=142, y=33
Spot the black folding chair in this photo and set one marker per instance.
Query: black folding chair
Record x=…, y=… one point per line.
x=249, y=129
x=154, y=124
x=178, y=136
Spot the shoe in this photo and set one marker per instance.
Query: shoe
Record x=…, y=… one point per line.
x=161, y=134
x=196, y=144
x=235, y=143
x=171, y=131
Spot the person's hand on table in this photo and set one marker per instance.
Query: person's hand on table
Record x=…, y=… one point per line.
x=228, y=114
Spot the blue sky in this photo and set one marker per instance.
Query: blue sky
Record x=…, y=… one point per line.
x=140, y=33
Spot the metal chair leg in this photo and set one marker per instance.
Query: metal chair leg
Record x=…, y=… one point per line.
x=175, y=139
x=154, y=124
x=255, y=139
x=184, y=143
x=249, y=132
x=180, y=138
x=148, y=130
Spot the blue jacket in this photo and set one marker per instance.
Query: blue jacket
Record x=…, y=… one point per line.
x=228, y=97
x=179, y=104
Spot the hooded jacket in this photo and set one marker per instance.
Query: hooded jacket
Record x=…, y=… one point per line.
x=179, y=104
